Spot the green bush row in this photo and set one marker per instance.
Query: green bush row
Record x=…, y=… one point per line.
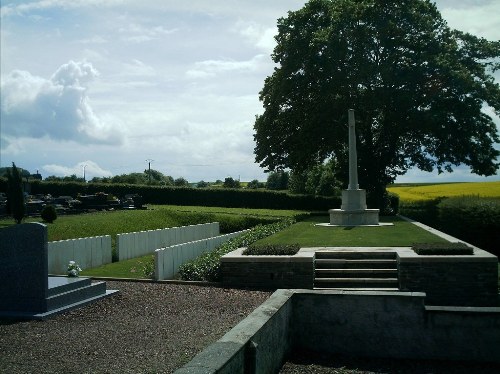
x=222, y=197
x=207, y=266
x=447, y=249
x=271, y=249
x=473, y=219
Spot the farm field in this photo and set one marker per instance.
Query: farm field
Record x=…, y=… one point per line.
x=415, y=192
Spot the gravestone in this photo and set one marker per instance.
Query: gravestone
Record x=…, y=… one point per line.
x=26, y=290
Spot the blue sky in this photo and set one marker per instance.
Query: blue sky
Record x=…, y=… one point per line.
x=110, y=84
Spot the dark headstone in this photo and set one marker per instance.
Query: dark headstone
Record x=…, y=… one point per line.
x=26, y=290
x=23, y=267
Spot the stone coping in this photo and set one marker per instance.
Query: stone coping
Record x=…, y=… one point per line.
x=404, y=254
x=238, y=256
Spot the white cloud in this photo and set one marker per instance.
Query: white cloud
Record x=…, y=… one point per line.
x=58, y=107
x=91, y=169
x=481, y=18
x=259, y=35
x=211, y=68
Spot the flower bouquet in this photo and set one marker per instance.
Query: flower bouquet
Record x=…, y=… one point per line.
x=73, y=269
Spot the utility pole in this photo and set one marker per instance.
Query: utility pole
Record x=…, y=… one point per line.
x=149, y=161
x=83, y=166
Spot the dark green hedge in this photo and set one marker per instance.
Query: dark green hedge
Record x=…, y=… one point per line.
x=206, y=267
x=421, y=211
x=448, y=249
x=222, y=197
x=473, y=219
x=271, y=249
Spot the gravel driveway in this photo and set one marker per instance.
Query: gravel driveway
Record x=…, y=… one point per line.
x=146, y=328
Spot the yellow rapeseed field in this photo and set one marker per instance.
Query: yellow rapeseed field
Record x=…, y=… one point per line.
x=428, y=192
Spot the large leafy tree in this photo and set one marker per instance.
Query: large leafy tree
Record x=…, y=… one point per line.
x=418, y=89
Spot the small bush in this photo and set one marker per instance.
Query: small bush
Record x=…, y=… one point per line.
x=271, y=249
x=206, y=267
x=49, y=213
x=446, y=249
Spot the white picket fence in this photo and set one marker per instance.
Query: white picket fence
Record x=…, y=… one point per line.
x=169, y=259
x=86, y=252
x=137, y=244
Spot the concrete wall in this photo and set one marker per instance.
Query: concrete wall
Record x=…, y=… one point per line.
x=137, y=244
x=360, y=323
x=268, y=272
x=382, y=324
x=86, y=252
x=169, y=259
x=258, y=344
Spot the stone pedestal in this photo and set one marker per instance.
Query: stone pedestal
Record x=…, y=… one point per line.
x=353, y=210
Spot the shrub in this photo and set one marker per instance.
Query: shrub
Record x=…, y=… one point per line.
x=206, y=267
x=271, y=249
x=473, y=219
x=425, y=211
x=448, y=249
x=49, y=213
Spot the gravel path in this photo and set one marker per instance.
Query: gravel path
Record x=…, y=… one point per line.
x=146, y=328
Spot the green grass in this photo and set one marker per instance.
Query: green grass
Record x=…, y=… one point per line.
x=124, y=269
x=307, y=234
x=155, y=217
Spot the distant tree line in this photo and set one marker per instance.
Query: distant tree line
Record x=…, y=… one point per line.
x=320, y=180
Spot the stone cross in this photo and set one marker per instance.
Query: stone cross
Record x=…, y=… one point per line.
x=353, y=158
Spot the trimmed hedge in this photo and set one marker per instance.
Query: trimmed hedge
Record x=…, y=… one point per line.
x=271, y=249
x=473, y=219
x=447, y=249
x=206, y=267
x=168, y=195
x=425, y=211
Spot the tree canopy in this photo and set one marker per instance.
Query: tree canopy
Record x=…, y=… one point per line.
x=418, y=89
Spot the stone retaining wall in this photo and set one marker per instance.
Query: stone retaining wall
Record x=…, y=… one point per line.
x=268, y=272
x=361, y=323
x=451, y=280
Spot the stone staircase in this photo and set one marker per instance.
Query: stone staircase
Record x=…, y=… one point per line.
x=356, y=270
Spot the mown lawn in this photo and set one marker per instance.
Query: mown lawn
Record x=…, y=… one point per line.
x=134, y=268
x=307, y=234
x=155, y=217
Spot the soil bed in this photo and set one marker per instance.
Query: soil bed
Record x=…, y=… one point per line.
x=302, y=362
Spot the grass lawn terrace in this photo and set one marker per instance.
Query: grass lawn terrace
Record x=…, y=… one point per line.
x=307, y=234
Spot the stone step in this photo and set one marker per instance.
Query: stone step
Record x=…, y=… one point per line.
x=355, y=255
x=359, y=288
x=58, y=285
x=356, y=283
x=356, y=273
x=76, y=295
x=355, y=264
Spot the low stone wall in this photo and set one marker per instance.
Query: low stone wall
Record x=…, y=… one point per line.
x=268, y=272
x=361, y=323
x=446, y=280
x=451, y=280
x=258, y=344
x=396, y=325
